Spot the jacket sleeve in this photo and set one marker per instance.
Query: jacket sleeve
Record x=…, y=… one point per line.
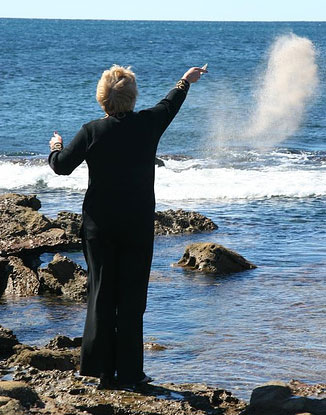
x=163, y=113
x=65, y=161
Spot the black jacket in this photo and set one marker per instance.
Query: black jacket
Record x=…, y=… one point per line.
x=120, y=154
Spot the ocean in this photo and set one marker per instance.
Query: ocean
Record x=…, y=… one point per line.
x=247, y=149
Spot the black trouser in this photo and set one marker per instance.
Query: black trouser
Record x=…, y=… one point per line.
x=118, y=274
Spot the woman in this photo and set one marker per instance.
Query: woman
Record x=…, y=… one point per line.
x=118, y=219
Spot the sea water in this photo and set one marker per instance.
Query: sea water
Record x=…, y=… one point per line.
x=256, y=169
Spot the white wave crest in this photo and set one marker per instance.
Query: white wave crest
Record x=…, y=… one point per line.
x=186, y=180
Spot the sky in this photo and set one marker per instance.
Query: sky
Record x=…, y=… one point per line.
x=218, y=10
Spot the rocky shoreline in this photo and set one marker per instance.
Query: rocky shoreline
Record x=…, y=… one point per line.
x=24, y=231
x=25, y=234
x=45, y=381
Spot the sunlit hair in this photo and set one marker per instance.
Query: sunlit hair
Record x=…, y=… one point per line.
x=117, y=90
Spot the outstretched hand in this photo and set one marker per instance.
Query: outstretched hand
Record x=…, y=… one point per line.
x=55, y=140
x=193, y=74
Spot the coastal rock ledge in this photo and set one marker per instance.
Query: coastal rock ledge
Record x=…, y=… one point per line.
x=45, y=381
x=213, y=258
x=25, y=231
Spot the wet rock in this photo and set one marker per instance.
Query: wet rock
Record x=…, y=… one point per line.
x=81, y=394
x=63, y=277
x=7, y=342
x=20, y=391
x=9, y=406
x=154, y=347
x=177, y=157
x=17, y=279
x=213, y=258
x=47, y=359
x=277, y=399
x=181, y=221
x=23, y=230
x=159, y=162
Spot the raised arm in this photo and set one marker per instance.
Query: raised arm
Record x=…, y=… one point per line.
x=163, y=113
x=63, y=160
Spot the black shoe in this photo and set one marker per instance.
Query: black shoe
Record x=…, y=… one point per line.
x=107, y=382
x=132, y=386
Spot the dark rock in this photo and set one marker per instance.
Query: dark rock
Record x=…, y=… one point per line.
x=154, y=347
x=23, y=230
x=63, y=277
x=63, y=342
x=213, y=258
x=7, y=341
x=166, y=222
x=3, y=274
x=29, y=201
x=70, y=222
x=47, y=359
x=17, y=279
x=20, y=391
x=181, y=221
x=277, y=399
x=177, y=157
x=159, y=162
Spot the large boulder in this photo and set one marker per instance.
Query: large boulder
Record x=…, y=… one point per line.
x=63, y=277
x=18, y=279
x=7, y=342
x=213, y=258
x=47, y=359
x=23, y=230
x=181, y=221
x=278, y=399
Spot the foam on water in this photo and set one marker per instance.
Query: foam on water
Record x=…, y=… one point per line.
x=194, y=179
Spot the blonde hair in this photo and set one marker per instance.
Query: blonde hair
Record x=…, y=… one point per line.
x=117, y=90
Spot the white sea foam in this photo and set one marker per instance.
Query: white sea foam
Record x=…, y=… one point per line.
x=189, y=180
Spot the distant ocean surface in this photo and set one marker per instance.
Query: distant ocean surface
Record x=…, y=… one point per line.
x=247, y=149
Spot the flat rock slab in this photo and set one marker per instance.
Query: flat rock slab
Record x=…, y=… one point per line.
x=20, y=391
x=9, y=406
x=168, y=222
x=213, y=258
x=46, y=359
x=23, y=230
x=81, y=394
x=180, y=221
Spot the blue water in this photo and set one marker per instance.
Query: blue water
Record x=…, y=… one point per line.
x=269, y=201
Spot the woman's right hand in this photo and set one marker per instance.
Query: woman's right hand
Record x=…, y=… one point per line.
x=193, y=74
x=55, y=142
